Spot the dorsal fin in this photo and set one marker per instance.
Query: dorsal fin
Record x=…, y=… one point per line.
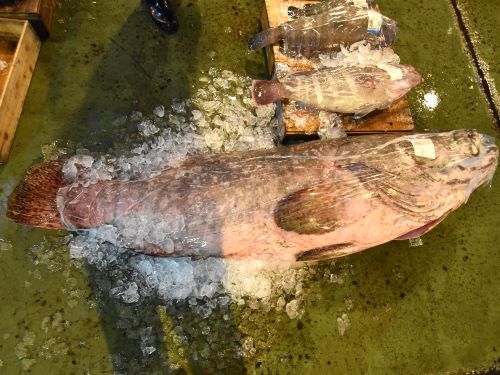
x=309, y=211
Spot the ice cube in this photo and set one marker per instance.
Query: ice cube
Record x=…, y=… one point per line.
x=131, y=294
x=343, y=323
x=159, y=111
x=148, y=350
x=293, y=309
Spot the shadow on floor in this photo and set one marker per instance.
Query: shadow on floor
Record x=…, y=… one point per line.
x=141, y=68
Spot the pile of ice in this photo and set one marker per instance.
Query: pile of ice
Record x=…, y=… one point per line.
x=219, y=118
x=204, y=284
x=359, y=54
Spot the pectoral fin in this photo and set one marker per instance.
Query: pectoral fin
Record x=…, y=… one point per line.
x=322, y=253
x=363, y=112
x=309, y=211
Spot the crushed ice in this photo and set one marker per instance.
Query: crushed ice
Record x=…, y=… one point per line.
x=343, y=323
x=359, y=54
x=220, y=117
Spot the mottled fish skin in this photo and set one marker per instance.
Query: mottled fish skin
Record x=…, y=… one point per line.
x=347, y=90
x=325, y=32
x=302, y=202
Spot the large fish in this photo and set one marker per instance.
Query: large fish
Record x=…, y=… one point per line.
x=348, y=90
x=325, y=32
x=310, y=201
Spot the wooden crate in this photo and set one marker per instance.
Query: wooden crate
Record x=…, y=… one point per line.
x=395, y=119
x=19, y=48
x=38, y=12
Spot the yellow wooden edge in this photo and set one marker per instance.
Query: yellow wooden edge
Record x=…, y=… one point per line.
x=14, y=91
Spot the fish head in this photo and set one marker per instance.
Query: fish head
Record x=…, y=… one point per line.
x=463, y=159
x=478, y=158
x=389, y=31
x=408, y=79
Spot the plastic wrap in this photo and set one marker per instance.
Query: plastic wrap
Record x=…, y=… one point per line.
x=310, y=201
x=322, y=6
x=356, y=90
x=327, y=31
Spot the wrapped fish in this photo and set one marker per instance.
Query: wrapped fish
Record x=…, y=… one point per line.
x=354, y=90
x=326, y=31
x=322, y=6
x=309, y=201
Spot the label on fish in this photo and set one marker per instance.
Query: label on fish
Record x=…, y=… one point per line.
x=423, y=148
x=374, y=22
x=360, y=3
x=395, y=72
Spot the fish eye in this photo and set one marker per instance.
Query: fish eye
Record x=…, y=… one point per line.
x=474, y=150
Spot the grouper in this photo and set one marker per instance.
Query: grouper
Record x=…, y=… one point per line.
x=310, y=201
x=327, y=31
x=356, y=90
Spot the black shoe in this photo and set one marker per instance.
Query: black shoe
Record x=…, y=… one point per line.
x=163, y=15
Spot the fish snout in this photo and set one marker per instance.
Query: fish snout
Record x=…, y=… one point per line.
x=489, y=150
x=488, y=147
x=414, y=78
x=488, y=141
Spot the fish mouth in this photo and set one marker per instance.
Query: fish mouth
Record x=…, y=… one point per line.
x=411, y=74
x=489, y=151
x=488, y=140
x=488, y=148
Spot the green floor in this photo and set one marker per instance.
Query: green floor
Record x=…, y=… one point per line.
x=481, y=21
x=423, y=310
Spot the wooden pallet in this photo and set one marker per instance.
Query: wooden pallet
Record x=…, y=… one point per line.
x=38, y=12
x=298, y=122
x=19, y=48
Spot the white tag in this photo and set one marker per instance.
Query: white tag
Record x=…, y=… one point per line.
x=424, y=148
x=360, y=3
x=374, y=22
x=395, y=72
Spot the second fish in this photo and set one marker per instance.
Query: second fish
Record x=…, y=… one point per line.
x=347, y=89
x=325, y=32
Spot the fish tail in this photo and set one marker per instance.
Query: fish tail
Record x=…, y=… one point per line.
x=265, y=38
x=266, y=92
x=33, y=201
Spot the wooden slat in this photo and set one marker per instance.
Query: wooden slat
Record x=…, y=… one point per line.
x=15, y=80
x=300, y=122
x=11, y=30
x=38, y=12
x=395, y=119
x=24, y=6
